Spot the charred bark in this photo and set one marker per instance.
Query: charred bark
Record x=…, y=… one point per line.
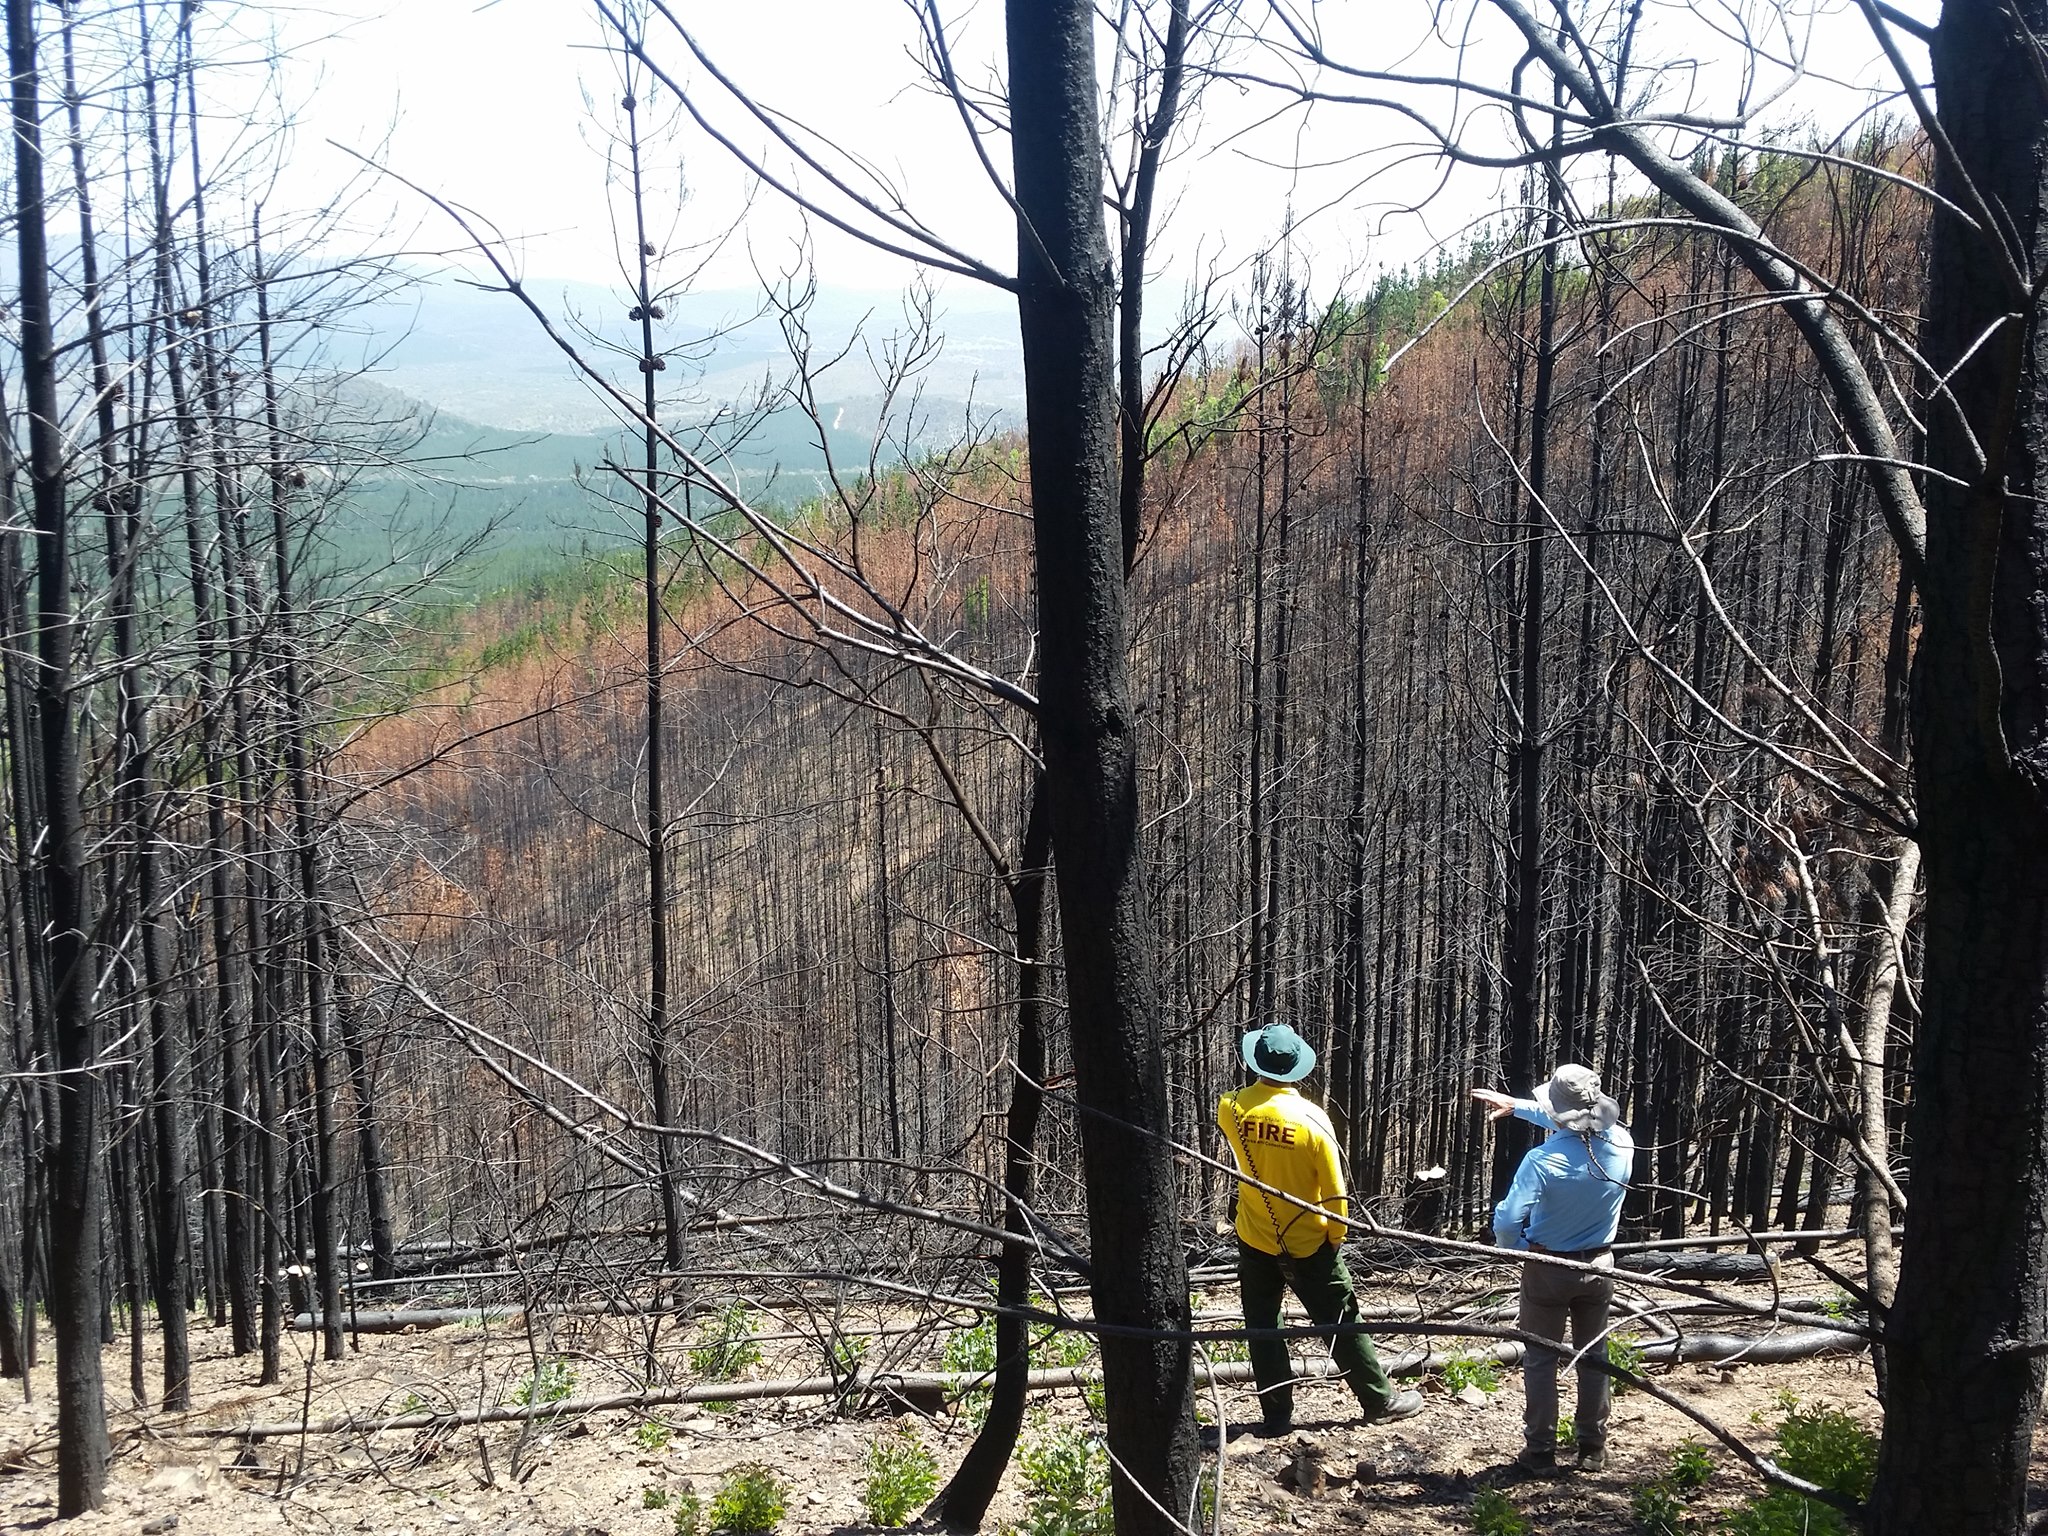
x=1066, y=298
x=75, y=1183
x=965, y=1500
x=1967, y=1337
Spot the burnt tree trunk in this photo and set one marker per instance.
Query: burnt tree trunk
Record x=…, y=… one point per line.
x=120, y=504
x=1965, y=1337
x=1523, y=968
x=305, y=840
x=75, y=1185
x=1350, y=1039
x=1066, y=298
x=661, y=1099
x=965, y=1500
x=1136, y=249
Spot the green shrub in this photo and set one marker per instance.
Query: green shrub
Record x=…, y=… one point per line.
x=1223, y=1350
x=689, y=1512
x=1624, y=1353
x=1069, y=1348
x=1066, y=1483
x=1781, y=1512
x=1462, y=1371
x=1062, y=1347
x=846, y=1353
x=972, y=1352
x=1493, y=1515
x=1657, y=1509
x=1825, y=1446
x=902, y=1477
x=849, y=1352
x=551, y=1382
x=654, y=1498
x=1095, y=1397
x=750, y=1500
x=725, y=1344
x=1567, y=1430
x=651, y=1435
x=1691, y=1468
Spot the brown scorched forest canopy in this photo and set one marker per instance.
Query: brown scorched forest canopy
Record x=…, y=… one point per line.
x=1518, y=658
x=1329, y=615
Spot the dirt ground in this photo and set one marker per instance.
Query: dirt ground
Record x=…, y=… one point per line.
x=606, y=1472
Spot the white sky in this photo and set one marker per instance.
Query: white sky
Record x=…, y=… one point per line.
x=487, y=105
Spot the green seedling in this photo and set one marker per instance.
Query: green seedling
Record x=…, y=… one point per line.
x=1625, y=1353
x=1691, y=1468
x=725, y=1344
x=550, y=1382
x=1825, y=1446
x=1494, y=1515
x=1462, y=1371
x=1066, y=1483
x=902, y=1475
x=972, y=1352
x=651, y=1435
x=1657, y=1510
x=750, y=1501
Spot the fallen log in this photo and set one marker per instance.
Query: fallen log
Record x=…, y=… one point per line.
x=1694, y=1264
x=1751, y=1349
x=420, y=1319
x=937, y=1386
x=422, y=1255
x=1738, y=1239
x=1685, y=1349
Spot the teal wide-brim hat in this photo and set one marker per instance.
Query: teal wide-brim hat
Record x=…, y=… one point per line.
x=1278, y=1054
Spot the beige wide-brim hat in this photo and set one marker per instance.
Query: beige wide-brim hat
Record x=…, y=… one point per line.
x=1573, y=1099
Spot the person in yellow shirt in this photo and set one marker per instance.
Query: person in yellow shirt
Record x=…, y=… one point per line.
x=1291, y=1239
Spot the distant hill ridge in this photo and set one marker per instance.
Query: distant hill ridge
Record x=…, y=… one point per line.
x=508, y=439
x=477, y=353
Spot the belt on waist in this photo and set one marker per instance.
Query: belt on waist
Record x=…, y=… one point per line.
x=1576, y=1255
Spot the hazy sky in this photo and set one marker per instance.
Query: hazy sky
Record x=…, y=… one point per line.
x=508, y=108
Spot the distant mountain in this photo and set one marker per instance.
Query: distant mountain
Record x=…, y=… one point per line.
x=527, y=499
x=509, y=440
x=479, y=354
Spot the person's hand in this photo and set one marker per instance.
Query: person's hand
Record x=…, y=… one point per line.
x=1498, y=1105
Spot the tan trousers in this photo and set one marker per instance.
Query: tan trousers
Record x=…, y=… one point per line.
x=1553, y=1297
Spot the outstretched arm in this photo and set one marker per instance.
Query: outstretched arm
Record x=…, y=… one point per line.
x=1498, y=1105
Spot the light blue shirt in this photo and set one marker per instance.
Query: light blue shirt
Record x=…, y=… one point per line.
x=1567, y=1192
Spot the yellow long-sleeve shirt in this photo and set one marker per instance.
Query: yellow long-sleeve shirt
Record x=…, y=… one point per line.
x=1281, y=1139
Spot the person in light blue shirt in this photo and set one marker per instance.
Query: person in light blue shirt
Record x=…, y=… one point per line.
x=1565, y=1202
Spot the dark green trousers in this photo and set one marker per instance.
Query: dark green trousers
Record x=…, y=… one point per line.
x=1323, y=1286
